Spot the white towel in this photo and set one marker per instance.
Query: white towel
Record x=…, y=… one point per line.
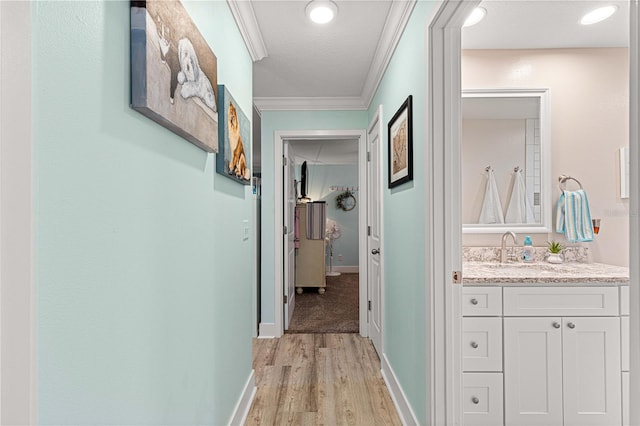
x=573, y=216
x=519, y=209
x=491, y=207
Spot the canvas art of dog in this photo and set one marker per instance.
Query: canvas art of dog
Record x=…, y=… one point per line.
x=181, y=57
x=238, y=163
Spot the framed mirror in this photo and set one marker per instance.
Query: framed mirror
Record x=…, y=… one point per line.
x=506, y=161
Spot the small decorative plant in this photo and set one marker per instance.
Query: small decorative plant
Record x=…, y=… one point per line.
x=554, y=247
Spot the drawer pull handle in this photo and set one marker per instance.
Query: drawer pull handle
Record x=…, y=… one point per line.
x=475, y=400
x=474, y=345
x=556, y=324
x=474, y=301
x=571, y=325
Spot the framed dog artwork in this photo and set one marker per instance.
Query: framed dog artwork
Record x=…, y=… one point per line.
x=234, y=156
x=174, y=72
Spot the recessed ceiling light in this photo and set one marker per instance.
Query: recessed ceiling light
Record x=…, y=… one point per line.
x=476, y=16
x=598, y=15
x=322, y=11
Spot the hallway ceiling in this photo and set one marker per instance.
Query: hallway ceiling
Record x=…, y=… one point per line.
x=301, y=65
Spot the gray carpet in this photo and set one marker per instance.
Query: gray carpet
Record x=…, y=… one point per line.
x=335, y=311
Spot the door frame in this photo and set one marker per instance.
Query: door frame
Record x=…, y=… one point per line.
x=443, y=204
x=280, y=136
x=18, y=386
x=443, y=93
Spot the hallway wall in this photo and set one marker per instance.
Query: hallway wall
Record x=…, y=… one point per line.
x=288, y=120
x=405, y=321
x=144, y=285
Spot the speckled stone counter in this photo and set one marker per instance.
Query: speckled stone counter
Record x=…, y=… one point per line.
x=542, y=273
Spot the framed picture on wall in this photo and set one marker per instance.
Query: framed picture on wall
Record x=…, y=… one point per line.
x=400, y=141
x=174, y=72
x=234, y=157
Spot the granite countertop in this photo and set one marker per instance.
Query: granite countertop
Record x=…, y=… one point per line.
x=543, y=273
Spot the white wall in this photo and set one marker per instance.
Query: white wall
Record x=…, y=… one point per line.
x=589, y=92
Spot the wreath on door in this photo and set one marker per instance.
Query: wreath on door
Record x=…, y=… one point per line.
x=346, y=201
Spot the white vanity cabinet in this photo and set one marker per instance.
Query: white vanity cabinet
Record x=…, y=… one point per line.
x=562, y=363
x=562, y=371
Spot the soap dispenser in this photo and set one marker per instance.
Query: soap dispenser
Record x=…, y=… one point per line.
x=527, y=250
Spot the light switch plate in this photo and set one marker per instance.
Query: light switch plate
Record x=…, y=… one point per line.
x=245, y=230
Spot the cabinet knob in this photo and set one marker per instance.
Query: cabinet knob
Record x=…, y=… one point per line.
x=556, y=324
x=474, y=345
x=475, y=400
x=375, y=251
x=571, y=325
x=474, y=301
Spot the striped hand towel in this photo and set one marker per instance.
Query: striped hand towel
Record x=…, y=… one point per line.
x=573, y=217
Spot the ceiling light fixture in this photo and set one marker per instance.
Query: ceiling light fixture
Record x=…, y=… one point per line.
x=475, y=16
x=322, y=11
x=598, y=15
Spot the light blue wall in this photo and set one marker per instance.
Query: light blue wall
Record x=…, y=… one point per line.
x=288, y=120
x=405, y=330
x=144, y=285
x=321, y=179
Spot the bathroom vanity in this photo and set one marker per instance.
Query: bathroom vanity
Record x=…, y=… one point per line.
x=545, y=344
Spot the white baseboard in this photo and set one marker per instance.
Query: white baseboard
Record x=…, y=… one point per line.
x=241, y=411
x=346, y=269
x=267, y=330
x=405, y=412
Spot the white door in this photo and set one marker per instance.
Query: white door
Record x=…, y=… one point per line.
x=289, y=208
x=591, y=371
x=374, y=231
x=533, y=371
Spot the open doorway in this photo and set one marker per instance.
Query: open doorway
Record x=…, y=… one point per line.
x=448, y=407
x=282, y=289
x=324, y=175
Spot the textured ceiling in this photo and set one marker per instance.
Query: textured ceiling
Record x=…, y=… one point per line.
x=527, y=24
x=310, y=60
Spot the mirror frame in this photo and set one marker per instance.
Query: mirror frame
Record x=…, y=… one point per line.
x=545, y=162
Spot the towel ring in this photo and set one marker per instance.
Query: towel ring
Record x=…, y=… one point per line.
x=563, y=182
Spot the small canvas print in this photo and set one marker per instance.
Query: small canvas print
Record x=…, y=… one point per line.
x=234, y=157
x=174, y=72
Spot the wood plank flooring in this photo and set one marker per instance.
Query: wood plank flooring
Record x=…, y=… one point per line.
x=319, y=379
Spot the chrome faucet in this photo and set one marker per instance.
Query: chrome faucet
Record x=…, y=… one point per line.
x=503, y=246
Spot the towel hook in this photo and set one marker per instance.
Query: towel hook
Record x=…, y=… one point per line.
x=486, y=169
x=516, y=169
x=562, y=179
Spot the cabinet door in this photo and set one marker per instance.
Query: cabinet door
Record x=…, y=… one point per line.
x=533, y=371
x=591, y=371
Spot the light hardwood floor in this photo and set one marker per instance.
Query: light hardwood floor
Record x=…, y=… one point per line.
x=319, y=379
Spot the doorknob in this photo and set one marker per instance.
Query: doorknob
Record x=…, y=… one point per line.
x=375, y=251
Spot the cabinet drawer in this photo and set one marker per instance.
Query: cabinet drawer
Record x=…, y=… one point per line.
x=482, y=301
x=560, y=301
x=482, y=344
x=482, y=399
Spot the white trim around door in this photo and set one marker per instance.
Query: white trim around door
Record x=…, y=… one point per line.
x=444, y=225
x=17, y=323
x=280, y=136
x=634, y=214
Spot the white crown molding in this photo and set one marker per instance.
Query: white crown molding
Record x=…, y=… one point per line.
x=245, y=18
x=310, y=104
x=397, y=20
